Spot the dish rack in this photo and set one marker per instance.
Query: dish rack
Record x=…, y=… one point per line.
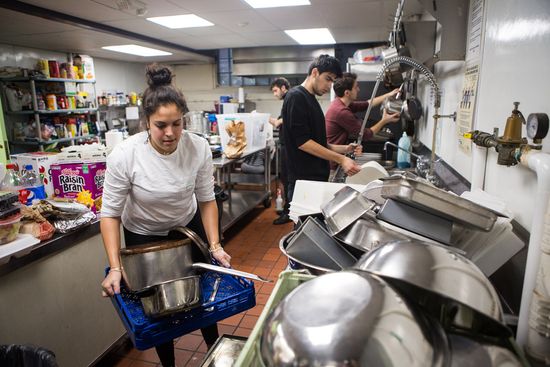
x=234, y=295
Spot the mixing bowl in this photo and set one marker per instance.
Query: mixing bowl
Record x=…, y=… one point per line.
x=348, y=318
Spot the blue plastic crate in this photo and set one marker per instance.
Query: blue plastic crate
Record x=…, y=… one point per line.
x=234, y=295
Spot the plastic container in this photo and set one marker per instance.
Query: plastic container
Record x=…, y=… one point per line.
x=28, y=177
x=9, y=228
x=234, y=295
x=404, y=158
x=12, y=180
x=279, y=201
x=288, y=280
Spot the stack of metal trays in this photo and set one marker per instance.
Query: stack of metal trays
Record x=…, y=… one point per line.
x=312, y=244
x=439, y=202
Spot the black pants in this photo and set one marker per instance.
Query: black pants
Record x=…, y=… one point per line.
x=284, y=181
x=210, y=333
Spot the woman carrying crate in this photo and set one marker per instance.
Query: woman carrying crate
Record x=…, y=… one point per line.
x=153, y=183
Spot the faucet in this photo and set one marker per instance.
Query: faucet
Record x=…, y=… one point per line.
x=405, y=150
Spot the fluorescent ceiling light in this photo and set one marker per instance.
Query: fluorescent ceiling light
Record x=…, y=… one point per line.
x=137, y=50
x=181, y=21
x=276, y=3
x=313, y=36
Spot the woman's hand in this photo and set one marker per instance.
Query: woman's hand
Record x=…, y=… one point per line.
x=222, y=257
x=111, y=284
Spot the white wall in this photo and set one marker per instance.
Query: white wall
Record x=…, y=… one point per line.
x=113, y=76
x=514, y=67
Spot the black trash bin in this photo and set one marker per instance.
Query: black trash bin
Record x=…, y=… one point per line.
x=26, y=356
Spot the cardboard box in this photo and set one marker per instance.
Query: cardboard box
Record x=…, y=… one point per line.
x=71, y=179
x=41, y=163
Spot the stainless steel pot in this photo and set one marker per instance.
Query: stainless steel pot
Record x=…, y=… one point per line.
x=348, y=319
x=172, y=297
x=152, y=264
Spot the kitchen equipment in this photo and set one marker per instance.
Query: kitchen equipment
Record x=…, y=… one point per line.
x=160, y=262
x=415, y=220
x=314, y=245
x=346, y=207
x=412, y=109
x=439, y=202
x=297, y=264
x=224, y=352
x=468, y=352
x=365, y=234
x=456, y=289
x=171, y=297
x=348, y=319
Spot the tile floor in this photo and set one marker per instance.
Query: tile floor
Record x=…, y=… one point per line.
x=253, y=244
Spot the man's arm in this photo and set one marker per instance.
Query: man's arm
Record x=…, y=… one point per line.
x=275, y=122
x=378, y=100
x=316, y=149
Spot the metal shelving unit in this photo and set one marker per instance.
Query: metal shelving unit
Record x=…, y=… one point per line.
x=242, y=201
x=37, y=113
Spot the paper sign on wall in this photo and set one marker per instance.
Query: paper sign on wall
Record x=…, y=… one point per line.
x=466, y=107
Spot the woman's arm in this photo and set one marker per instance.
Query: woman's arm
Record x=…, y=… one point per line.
x=209, y=217
x=110, y=231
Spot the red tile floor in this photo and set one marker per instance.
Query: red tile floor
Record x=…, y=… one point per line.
x=253, y=244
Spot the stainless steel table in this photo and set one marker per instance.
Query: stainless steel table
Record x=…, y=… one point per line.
x=242, y=201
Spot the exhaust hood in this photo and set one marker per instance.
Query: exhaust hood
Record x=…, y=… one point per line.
x=275, y=61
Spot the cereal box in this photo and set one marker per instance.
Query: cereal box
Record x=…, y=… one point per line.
x=80, y=181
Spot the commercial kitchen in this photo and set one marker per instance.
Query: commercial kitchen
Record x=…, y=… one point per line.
x=437, y=253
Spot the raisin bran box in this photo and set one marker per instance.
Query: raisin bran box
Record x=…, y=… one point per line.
x=71, y=179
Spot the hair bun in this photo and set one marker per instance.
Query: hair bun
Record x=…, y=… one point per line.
x=158, y=75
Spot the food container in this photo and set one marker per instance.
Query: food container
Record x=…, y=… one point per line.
x=9, y=228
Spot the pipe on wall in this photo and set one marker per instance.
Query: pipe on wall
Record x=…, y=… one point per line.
x=540, y=163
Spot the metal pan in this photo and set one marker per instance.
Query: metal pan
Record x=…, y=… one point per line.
x=437, y=201
x=346, y=207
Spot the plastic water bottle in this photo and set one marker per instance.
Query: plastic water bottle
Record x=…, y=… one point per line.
x=12, y=180
x=28, y=178
x=279, y=201
x=404, y=158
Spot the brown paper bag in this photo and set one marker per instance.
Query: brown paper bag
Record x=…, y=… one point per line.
x=237, y=139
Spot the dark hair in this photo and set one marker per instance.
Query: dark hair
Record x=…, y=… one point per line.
x=280, y=82
x=161, y=92
x=346, y=82
x=324, y=64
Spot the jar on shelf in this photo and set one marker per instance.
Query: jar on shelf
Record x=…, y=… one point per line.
x=51, y=102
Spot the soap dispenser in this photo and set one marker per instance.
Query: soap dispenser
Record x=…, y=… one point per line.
x=404, y=146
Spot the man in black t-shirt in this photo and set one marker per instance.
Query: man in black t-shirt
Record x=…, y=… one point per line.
x=307, y=152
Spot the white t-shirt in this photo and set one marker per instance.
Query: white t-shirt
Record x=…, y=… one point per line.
x=153, y=193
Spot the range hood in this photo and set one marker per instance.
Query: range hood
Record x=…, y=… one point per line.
x=275, y=61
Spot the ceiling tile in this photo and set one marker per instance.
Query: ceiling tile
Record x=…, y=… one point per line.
x=354, y=14
x=15, y=23
x=296, y=17
x=240, y=21
x=355, y=35
x=204, y=6
x=278, y=38
x=85, y=9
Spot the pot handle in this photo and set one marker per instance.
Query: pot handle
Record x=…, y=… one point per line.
x=223, y=270
x=196, y=239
